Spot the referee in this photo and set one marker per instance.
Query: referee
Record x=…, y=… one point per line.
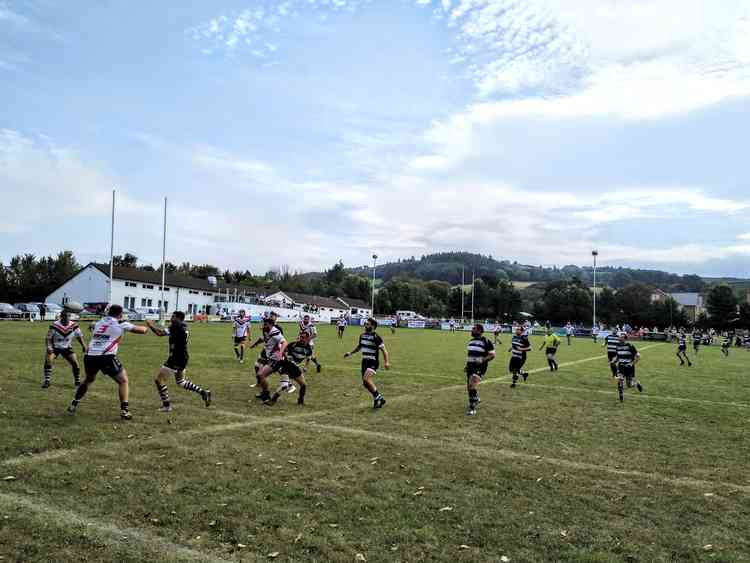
x=551, y=342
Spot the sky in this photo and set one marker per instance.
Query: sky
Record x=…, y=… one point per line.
x=302, y=132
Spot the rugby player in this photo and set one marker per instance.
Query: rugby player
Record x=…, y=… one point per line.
x=480, y=352
x=297, y=352
x=341, y=326
x=60, y=343
x=519, y=345
x=306, y=325
x=569, y=330
x=611, y=342
x=726, y=344
x=101, y=355
x=176, y=363
x=274, y=347
x=240, y=333
x=682, y=349
x=627, y=358
x=697, y=339
x=370, y=344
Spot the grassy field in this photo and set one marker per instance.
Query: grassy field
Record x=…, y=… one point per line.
x=554, y=470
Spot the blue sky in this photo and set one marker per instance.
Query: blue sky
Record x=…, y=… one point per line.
x=306, y=131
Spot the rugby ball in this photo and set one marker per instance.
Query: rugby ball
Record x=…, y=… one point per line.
x=73, y=307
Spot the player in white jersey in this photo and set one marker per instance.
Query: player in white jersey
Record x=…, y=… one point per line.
x=274, y=347
x=306, y=326
x=569, y=332
x=341, y=326
x=60, y=343
x=101, y=356
x=240, y=334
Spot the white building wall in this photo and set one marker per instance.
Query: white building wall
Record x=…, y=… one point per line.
x=133, y=295
x=88, y=286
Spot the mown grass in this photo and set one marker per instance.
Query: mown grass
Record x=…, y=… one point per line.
x=554, y=470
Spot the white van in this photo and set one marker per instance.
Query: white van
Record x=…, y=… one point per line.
x=409, y=316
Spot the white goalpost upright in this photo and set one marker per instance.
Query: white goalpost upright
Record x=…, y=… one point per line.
x=111, y=249
x=162, y=308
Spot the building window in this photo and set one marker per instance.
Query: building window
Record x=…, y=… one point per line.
x=147, y=286
x=166, y=288
x=194, y=292
x=131, y=284
x=207, y=294
x=143, y=302
x=166, y=305
x=150, y=303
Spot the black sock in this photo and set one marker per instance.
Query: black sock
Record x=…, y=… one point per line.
x=374, y=392
x=242, y=353
x=551, y=364
x=237, y=352
x=124, y=406
x=77, y=375
x=47, y=372
x=302, y=391
x=473, y=396
x=163, y=393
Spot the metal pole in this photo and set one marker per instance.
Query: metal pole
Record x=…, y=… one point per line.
x=163, y=309
x=374, y=264
x=472, y=297
x=462, y=294
x=112, y=248
x=594, y=253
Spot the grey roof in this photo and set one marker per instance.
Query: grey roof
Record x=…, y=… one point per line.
x=686, y=299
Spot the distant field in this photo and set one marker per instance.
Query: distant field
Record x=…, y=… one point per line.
x=554, y=470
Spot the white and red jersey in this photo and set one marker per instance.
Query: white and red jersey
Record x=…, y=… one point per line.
x=241, y=327
x=61, y=335
x=106, y=336
x=342, y=322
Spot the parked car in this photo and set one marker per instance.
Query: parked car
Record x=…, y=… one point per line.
x=8, y=311
x=29, y=310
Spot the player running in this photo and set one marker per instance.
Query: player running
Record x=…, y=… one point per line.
x=480, y=353
x=726, y=344
x=551, y=343
x=682, y=349
x=611, y=341
x=371, y=345
x=102, y=356
x=176, y=363
x=697, y=340
x=306, y=325
x=297, y=352
x=569, y=330
x=627, y=358
x=341, y=326
x=60, y=343
x=240, y=333
x=519, y=345
x=498, y=330
x=274, y=347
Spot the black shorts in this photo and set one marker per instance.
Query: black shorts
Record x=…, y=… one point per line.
x=341, y=328
x=64, y=352
x=176, y=364
x=682, y=348
x=626, y=371
x=240, y=340
x=516, y=364
x=611, y=355
x=551, y=351
x=290, y=368
x=476, y=368
x=370, y=364
x=108, y=365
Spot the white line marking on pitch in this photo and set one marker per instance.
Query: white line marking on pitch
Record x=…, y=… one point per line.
x=512, y=454
x=109, y=533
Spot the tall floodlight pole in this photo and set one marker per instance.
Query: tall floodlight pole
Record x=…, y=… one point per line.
x=112, y=248
x=594, y=253
x=163, y=309
x=374, y=263
x=462, y=294
x=472, y=297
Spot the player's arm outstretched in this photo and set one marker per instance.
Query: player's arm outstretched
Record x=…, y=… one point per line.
x=156, y=330
x=357, y=349
x=258, y=341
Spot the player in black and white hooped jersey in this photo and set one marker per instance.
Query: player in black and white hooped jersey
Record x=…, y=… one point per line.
x=274, y=348
x=59, y=343
x=519, y=346
x=293, y=366
x=240, y=334
x=371, y=345
x=307, y=326
x=341, y=325
x=101, y=356
x=480, y=352
x=682, y=349
x=611, y=341
x=697, y=340
x=726, y=344
x=176, y=364
x=627, y=358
